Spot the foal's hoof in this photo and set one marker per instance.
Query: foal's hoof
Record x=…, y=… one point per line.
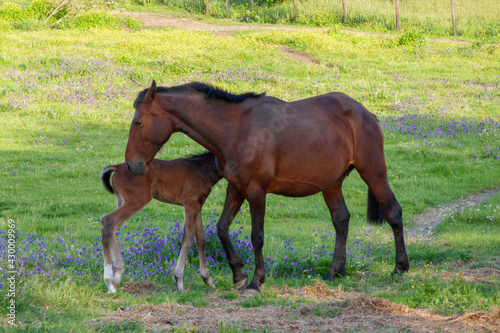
x=111, y=288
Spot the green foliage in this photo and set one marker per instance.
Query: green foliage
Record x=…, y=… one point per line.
x=122, y=326
x=488, y=214
x=75, y=14
x=92, y=19
x=412, y=38
x=41, y=9
x=30, y=24
x=446, y=297
x=320, y=19
x=12, y=12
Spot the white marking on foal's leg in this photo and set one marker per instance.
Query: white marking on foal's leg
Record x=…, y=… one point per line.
x=109, y=278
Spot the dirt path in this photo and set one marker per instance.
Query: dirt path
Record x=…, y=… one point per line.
x=425, y=224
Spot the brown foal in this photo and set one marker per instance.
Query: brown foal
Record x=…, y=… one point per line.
x=185, y=182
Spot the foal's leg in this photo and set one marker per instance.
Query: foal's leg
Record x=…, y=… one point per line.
x=200, y=240
x=340, y=219
x=113, y=262
x=191, y=211
x=234, y=199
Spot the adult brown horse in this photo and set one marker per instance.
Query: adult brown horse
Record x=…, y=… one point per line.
x=266, y=145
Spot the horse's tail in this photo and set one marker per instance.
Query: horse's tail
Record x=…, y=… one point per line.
x=106, y=177
x=374, y=212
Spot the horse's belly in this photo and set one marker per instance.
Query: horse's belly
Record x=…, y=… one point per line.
x=294, y=188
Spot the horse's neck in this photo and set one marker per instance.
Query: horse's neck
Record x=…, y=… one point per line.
x=203, y=122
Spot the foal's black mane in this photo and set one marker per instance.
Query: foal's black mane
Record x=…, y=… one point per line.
x=210, y=93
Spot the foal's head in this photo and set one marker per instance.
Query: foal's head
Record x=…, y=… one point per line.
x=150, y=129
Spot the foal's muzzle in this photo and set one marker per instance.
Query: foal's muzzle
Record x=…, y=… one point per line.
x=137, y=168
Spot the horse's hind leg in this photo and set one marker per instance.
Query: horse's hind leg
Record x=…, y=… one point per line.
x=393, y=214
x=340, y=219
x=375, y=176
x=113, y=262
x=191, y=212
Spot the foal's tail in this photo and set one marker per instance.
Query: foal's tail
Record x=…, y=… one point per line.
x=106, y=177
x=374, y=211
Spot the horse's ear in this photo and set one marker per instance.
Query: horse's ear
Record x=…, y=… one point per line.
x=151, y=92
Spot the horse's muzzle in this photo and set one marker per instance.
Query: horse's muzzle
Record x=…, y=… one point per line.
x=138, y=168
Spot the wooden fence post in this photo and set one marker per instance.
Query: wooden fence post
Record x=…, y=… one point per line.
x=207, y=7
x=295, y=9
x=227, y=9
x=251, y=6
x=453, y=18
x=344, y=7
x=398, y=20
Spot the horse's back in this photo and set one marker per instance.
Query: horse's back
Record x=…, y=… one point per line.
x=310, y=143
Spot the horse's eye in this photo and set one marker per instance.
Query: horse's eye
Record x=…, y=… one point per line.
x=138, y=123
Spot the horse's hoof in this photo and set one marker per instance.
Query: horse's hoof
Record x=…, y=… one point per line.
x=250, y=292
x=242, y=284
x=328, y=277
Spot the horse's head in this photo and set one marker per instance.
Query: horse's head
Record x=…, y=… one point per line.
x=151, y=127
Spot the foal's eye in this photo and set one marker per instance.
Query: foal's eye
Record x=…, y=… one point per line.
x=138, y=123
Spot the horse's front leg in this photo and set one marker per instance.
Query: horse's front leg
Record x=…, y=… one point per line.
x=257, y=203
x=234, y=199
x=340, y=219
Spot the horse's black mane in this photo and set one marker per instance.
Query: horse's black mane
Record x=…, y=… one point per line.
x=210, y=93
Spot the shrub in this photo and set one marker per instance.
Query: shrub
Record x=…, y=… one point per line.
x=30, y=24
x=92, y=19
x=40, y=9
x=12, y=12
x=412, y=38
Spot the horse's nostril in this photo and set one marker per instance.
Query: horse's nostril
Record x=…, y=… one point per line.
x=129, y=167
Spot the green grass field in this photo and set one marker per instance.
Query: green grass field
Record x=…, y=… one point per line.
x=65, y=109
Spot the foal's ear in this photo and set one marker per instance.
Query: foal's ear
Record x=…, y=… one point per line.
x=151, y=92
